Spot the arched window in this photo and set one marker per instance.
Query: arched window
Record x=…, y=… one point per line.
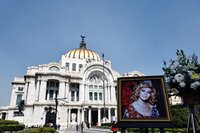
x=95, y=96
x=54, y=68
x=90, y=95
x=67, y=65
x=100, y=96
x=73, y=67
x=80, y=66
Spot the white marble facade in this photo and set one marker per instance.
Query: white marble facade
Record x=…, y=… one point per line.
x=82, y=81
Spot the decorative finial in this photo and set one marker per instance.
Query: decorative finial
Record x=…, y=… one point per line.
x=82, y=43
x=83, y=37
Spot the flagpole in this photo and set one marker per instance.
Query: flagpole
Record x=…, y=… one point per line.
x=104, y=104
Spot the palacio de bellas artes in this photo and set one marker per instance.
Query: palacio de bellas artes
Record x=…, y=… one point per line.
x=81, y=87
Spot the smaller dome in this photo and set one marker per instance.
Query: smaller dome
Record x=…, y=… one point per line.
x=83, y=52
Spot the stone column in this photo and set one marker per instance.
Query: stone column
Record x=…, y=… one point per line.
x=115, y=112
x=61, y=93
x=109, y=115
x=30, y=93
x=69, y=116
x=67, y=90
x=75, y=94
x=69, y=96
x=26, y=90
x=37, y=90
x=99, y=116
x=86, y=93
x=81, y=92
x=113, y=94
x=82, y=115
x=48, y=94
x=109, y=97
x=89, y=117
x=42, y=93
x=78, y=116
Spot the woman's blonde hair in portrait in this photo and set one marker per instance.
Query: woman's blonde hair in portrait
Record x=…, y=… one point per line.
x=144, y=84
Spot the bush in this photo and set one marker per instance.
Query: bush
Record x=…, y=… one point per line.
x=5, y=122
x=180, y=116
x=40, y=130
x=8, y=125
x=106, y=124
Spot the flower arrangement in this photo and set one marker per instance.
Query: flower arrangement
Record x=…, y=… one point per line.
x=183, y=74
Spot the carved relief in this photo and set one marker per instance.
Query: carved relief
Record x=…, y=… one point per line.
x=95, y=79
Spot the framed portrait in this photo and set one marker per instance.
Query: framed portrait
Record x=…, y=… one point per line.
x=143, y=99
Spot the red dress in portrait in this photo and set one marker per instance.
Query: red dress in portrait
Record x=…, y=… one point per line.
x=131, y=112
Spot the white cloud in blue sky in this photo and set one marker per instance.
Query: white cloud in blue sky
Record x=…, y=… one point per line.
x=133, y=34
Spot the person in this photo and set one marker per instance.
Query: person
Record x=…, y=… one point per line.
x=81, y=127
x=143, y=105
x=88, y=125
x=114, y=128
x=58, y=126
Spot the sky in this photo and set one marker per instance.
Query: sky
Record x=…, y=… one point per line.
x=132, y=34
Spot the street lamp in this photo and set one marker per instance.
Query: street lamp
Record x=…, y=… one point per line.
x=56, y=102
x=104, y=102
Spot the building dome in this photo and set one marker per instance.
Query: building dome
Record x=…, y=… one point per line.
x=83, y=52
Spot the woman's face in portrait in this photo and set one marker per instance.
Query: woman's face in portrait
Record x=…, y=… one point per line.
x=145, y=93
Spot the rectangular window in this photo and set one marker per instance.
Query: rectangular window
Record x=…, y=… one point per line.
x=91, y=86
x=95, y=87
x=19, y=97
x=100, y=96
x=51, y=84
x=72, y=85
x=101, y=87
x=77, y=96
x=90, y=96
x=72, y=95
x=51, y=95
x=20, y=88
x=95, y=96
x=57, y=84
x=48, y=84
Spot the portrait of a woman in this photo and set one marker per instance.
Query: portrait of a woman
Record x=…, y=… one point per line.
x=144, y=102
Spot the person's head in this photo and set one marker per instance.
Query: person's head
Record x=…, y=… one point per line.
x=146, y=92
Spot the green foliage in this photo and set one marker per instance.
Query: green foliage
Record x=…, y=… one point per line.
x=8, y=125
x=5, y=122
x=40, y=130
x=180, y=116
x=106, y=124
x=132, y=130
x=175, y=130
